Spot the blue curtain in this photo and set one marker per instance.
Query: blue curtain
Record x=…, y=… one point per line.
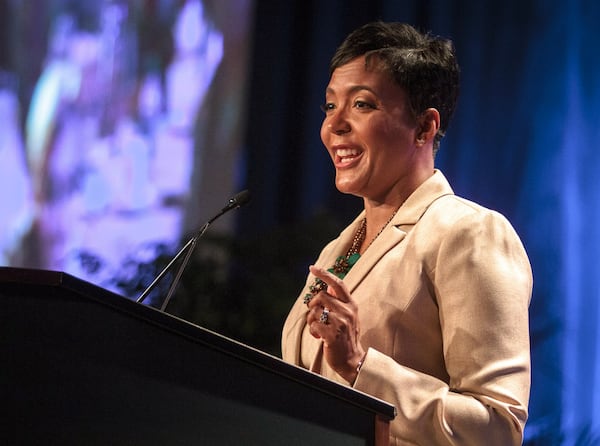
x=523, y=141
x=536, y=85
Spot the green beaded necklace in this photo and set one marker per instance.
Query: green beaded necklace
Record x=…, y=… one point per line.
x=344, y=263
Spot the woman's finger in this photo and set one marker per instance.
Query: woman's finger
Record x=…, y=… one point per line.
x=337, y=287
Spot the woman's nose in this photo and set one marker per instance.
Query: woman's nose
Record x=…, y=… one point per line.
x=337, y=123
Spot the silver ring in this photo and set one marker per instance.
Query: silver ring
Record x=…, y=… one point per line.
x=324, y=319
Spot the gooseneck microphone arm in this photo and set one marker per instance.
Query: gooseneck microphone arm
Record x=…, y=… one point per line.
x=235, y=202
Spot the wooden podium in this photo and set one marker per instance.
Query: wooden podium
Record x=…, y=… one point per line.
x=84, y=366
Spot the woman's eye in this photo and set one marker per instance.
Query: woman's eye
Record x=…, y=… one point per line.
x=363, y=105
x=328, y=106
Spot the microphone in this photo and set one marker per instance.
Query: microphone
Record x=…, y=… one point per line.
x=238, y=200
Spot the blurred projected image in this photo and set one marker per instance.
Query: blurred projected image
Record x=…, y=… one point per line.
x=105, y=143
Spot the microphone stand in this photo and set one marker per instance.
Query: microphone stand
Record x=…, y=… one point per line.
x=189, y=246
x=238, y=200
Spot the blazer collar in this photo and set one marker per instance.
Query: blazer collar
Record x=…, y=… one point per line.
x=407, y=216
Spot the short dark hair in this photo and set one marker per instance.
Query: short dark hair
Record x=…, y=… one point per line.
x=425, y=66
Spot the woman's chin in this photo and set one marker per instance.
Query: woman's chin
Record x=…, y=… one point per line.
x=348, y=188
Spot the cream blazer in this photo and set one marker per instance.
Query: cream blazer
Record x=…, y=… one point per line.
x=443, y=296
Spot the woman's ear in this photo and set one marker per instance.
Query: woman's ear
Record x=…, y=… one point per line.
x=428, y=124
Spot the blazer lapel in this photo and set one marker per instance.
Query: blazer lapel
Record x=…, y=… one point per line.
x=407, y=216
x=296, y=320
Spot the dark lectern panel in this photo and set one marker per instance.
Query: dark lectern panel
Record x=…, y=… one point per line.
x=110, y=371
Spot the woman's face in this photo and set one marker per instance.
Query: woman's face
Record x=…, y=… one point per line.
x=369, y=132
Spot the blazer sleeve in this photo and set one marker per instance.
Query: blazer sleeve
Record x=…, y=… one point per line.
x=481, y=281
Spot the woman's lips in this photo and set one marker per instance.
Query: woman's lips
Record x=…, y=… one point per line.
x=346, y=156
